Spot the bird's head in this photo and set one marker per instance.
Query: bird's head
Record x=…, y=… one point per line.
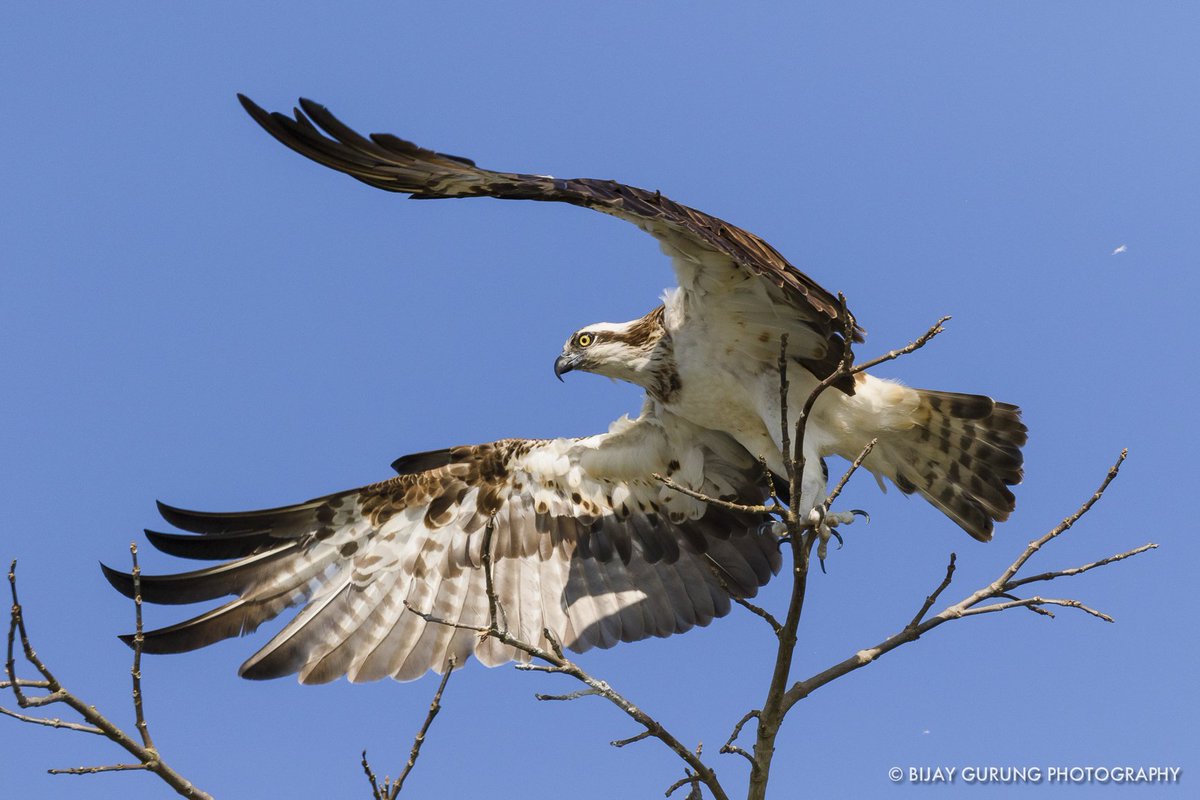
x=625, y=351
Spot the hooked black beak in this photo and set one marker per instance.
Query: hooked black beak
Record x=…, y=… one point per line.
x=564, y=363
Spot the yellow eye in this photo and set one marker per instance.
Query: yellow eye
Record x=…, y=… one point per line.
x=584, y=340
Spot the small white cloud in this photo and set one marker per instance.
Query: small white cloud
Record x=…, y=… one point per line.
x=1120, y=250
x=925, y=732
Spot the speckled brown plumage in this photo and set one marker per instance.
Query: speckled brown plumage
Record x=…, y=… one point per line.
x=596, y=556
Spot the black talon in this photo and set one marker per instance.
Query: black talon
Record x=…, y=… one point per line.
x=837, y=536
x=859, y=512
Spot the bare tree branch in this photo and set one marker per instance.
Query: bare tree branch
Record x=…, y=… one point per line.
x=779, y=701
x=1066, y=524
x=138, y=643
x=635, y=738
x=931, y=599
x=148, y=757
x=569, y=696
x=376, y=791
x=854, y=465
x=689, y=779
x=911, y=347
x=390, y=789
x=716, y=501
x=758, y=611
x=1034, y=604
x=50, y=723
x=95, y=770
x=1065, y=573
x=970, y=605
x=730, y=745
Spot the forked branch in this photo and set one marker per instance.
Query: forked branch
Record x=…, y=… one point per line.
x=148, y=758
x=995, y=597
x=389, y=789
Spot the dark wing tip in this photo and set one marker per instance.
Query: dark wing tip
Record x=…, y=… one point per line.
x=260, y=114
x=422, y=462
x=209, y=546
x=179, y=517
x=121, y=581
x=213, y=521
x=313, y=108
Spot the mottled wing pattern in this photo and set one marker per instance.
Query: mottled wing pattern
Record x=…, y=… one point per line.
x=713, y=259
x=585, y=543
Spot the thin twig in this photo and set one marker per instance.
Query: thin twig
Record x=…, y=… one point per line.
x=769, y=478
x=569, y=696
x=931, y=599
x=1066, y=524
x=854, y=465
x=635, y=738
x=785, y=442
x=912, y=346
x=758, y=611
x=428, y=617
x=434, y=707
x=716, y=501
x=495, y=610
x=550, y=668
x=1065, y=573
x=138, y=643
x=731, y=745
x=51, y=723
x=95, y=770
x=376, y=792
x=687, y=779
x=1033, y=603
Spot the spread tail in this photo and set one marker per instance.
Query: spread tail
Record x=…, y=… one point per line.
x=961, y=453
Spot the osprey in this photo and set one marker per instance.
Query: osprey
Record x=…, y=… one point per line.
x=586, y=542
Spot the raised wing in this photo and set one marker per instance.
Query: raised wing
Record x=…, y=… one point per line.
x=585, y=542
x=712, y=258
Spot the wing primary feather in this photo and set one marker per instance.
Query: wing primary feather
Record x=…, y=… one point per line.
x=282, y=517
x=210, y=546
x=198, y=585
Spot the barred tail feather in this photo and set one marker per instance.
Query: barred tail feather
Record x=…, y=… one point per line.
x=961, y=454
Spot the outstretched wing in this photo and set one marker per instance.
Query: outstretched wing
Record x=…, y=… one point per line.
x=729, y=271
x=585, y=543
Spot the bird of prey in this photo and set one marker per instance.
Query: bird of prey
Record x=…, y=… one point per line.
x=587, y=543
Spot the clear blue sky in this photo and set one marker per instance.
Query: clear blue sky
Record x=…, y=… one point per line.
x=190, y=312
